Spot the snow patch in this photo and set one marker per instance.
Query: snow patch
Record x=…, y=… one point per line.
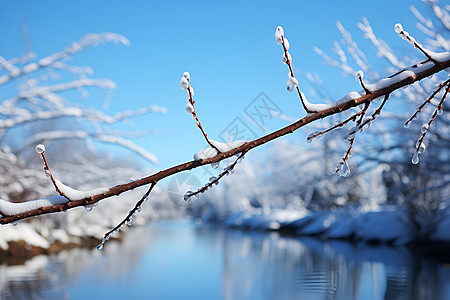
x=8, y=209
x=74, y=195
x=223, y=147
x=22, y=232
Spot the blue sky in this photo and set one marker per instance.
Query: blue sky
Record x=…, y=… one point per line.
x=227, y=46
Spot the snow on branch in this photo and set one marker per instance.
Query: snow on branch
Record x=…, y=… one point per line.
x=190, y=106
x=217, y=151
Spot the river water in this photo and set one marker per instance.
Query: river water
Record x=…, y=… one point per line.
x=181, y=260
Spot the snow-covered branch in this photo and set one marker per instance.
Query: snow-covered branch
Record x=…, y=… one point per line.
x=384, y=89
x=371, y=92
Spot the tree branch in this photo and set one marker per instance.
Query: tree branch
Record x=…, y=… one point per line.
x=410, y=75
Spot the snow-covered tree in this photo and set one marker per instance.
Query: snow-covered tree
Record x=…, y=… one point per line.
x=424, y=188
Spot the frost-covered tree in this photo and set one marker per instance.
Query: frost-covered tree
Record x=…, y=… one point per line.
x=41, y=105
x=45, y=100
x=365, y=107
x=423, y=189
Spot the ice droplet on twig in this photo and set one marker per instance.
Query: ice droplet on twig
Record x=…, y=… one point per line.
x=424, y=128
x=215, y=165
x=312, y=136
x=130, y=221
x=187, y=196
x=40, y=148
x=398, y=28
x=345, y=170
x=100, y=247
x=292, y=84
x=422, y=148
x=415, y=158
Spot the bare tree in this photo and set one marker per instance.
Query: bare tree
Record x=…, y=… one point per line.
x=361, y=118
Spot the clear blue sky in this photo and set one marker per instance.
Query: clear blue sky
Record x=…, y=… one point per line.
x=227, y=46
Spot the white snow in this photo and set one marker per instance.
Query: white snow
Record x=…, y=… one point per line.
x=40, y=148
x=279, y=33
x=22, y=232
x=439, y=57
x=184, y=83
x=288, y=58
x=74, y=195
x=385, y=82
x=8, y=209
x=189, y=107
x=398, y=28
x=321, y=106
x=286, y=44
x=223, y=147
x=359, y=75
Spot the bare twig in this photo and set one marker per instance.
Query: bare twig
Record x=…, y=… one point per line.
x=129, y=218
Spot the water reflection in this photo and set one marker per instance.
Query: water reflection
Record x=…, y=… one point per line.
x=183, y=261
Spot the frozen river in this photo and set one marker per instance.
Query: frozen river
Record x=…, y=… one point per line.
x=180, y=260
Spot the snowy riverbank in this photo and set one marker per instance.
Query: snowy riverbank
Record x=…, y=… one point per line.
x=388, y=225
